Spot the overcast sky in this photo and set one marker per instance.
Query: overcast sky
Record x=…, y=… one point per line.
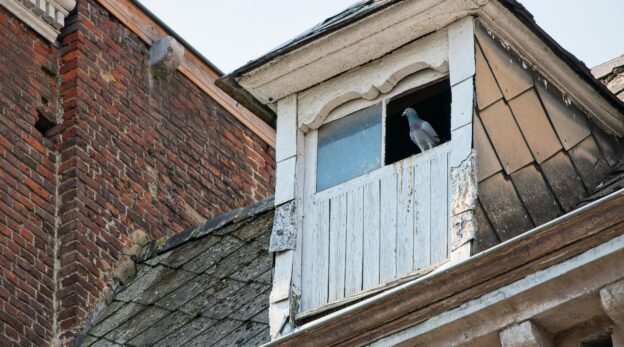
x=232, y=32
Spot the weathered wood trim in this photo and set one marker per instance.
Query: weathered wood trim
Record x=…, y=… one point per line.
x=192, y=66
x=352, y=46
x=432, y=294
x=415, y=64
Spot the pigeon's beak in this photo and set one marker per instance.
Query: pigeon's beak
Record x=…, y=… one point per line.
x=404, y=114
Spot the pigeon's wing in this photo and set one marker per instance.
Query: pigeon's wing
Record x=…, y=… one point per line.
x=426, y=127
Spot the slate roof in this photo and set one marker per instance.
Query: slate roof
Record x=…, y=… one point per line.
x=207, y=286
x=611, y=74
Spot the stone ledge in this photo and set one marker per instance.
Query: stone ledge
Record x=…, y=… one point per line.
x=46, y=17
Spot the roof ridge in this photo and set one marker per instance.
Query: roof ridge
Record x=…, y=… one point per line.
x=167, y=243
x=606, y=68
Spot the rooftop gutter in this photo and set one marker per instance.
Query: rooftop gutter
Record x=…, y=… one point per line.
x=580, y=218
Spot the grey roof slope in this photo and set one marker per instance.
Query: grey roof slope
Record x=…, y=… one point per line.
x=611, y=74
x=207, y=286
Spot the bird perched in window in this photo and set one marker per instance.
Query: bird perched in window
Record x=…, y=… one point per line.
x=421, y=132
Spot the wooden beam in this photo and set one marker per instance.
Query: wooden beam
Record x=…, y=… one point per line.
x=197, y=71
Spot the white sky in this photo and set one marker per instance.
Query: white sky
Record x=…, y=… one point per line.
x=232, y=32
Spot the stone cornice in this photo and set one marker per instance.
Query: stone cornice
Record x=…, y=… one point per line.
x=46, y=17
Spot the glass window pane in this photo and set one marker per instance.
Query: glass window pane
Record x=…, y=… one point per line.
x=349, y=147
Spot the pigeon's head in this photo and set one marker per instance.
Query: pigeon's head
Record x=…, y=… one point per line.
x=410, y=113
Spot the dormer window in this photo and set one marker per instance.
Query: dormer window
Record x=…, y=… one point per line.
x=353, y=146
x=371, y=206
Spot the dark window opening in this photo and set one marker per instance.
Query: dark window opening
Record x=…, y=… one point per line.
x=43, y=124
x=603, y=341
x=433, y=104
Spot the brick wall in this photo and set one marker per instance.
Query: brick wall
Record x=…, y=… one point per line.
x=131, y=152
x=27, y=185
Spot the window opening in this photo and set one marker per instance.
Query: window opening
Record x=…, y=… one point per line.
x=431, y=104
x=603, y=341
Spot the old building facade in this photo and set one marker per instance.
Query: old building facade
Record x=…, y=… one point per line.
x=136, y=187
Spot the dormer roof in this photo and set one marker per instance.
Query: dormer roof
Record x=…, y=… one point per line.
x=284, y=66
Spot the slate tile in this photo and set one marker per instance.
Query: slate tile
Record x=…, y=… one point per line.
x=136, y=325
x=127, y=311
x=185, y=333
x=240, y=259
x=569, y=122
x=182, y=254
x=536, y=194
x=254, y=268
x=266, y=277
x=589, y=162
x=563, y=180
x=503, y=207
x=487, y=161
x=234, y=301
x=105, y=343
x=253, y=307
x=535, y=126
x=211, y=296
x=215, y=333
x=88, y=341
x=509, y=71
x=261, y=338
x=112, y=308
x=255, y=228
x=487, y=89
x=506, y=137
x=241, y=335
x=186, y=292
x=262, y=316
x=486, y=236
x=160, y=329
x=217, y=252
x=609, y=145
x=154, y=285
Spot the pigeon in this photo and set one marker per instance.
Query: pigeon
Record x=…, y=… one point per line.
x=421, y=132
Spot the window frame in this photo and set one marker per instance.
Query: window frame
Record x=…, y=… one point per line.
x=417, y=81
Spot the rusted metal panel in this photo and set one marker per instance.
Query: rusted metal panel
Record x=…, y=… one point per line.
x=563, y=180
x=510, y=72
x=570, y=123
x=486, y=236
x=485, y=84
x=506, y=137
x=590, y=164
x=503, y=207
x=536, y=195
x=487, y=161
x=535, y=126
